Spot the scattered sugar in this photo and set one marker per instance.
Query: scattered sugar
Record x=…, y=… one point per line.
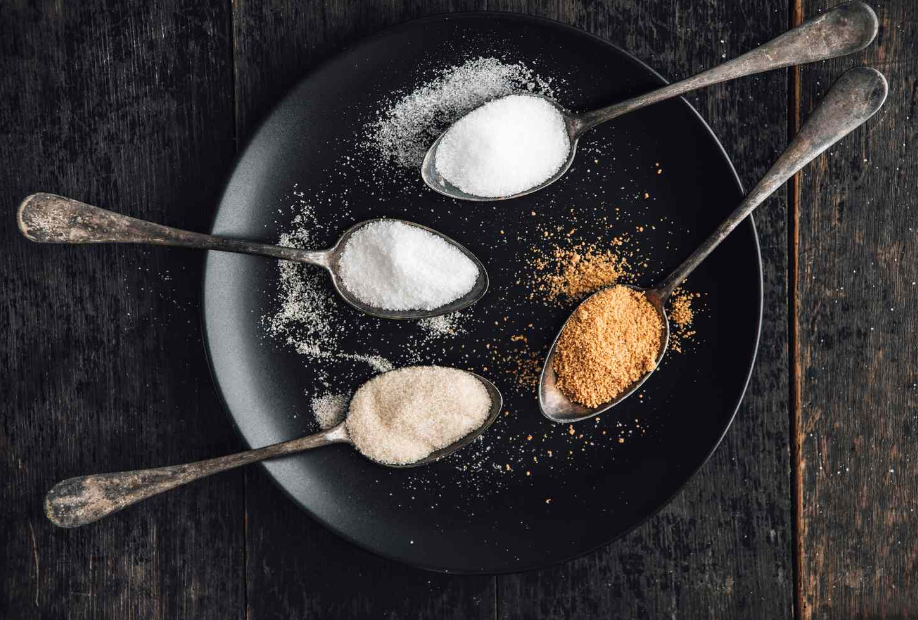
x=396, y=266
x=329, y=409
x=404, y=130
x=405, y=415
x=505, y=147
x=445, y=325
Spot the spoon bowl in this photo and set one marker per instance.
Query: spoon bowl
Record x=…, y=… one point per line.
x=85, y=499
x=557, y=407
x=49, y=218
x=841, y=30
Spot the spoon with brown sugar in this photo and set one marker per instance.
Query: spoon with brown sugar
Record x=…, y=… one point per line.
x=575, y=382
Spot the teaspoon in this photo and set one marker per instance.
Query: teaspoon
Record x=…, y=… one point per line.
x=84, y=499
x=49, y=218
x=844, y=29
x=852, y=99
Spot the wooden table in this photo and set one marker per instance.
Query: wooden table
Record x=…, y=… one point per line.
x=808, y=509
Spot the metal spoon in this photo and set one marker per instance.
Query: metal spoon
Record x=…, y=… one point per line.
x=855, y=97
x=48, y=218
x=84, y=499
x=841, y=30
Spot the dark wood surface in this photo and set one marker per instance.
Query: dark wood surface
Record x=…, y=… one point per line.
x=856, y=353
x=809, y=507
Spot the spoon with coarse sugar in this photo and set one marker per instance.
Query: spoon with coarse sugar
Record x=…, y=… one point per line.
x=386, y=268
x=617, y=337
x=402, y=418
x=520, y=144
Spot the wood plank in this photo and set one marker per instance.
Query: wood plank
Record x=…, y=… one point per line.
x=128, y=106
x=858, y=363
x=295, y=567
x=722, y=548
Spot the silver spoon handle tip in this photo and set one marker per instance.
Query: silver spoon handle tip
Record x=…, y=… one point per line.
x=49, y=218
x=82, y=500
x=855, y=97
x=841, y=30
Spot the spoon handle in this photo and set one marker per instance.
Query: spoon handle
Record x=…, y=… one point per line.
x=49, y=218
x=841, y=30
x=856, y=96
x=78, y=501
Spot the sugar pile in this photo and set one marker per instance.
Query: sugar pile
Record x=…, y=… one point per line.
x=396, y=266
x=610, y=341
x=329, y=409
x=403, y=131
x=505, y=147
x=403, y=416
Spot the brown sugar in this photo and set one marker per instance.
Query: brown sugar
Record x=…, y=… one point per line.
x=610, y=342
x=681, y=314
x=578, y=271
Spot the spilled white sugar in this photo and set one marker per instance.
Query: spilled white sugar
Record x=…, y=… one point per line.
x=396, y=266
x=505, y=147
x=405, y=415
x=443, y=325
x=405, y=129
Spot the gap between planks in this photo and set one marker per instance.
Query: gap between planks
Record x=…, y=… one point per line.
x=795, y=18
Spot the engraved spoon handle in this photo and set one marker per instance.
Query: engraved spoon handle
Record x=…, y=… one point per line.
x=844, y=29
x=49, y=218
x=84, y=499
x=856, y=96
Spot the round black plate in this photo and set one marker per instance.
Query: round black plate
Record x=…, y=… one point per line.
x=480, y=511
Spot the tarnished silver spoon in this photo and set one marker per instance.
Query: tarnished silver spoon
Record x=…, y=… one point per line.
x=84, y=499
x=49, y=218
x=841, y=30
x=852, y=99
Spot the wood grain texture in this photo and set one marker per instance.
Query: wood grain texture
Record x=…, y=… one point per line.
x=126, y=105
x=857, y=316
x=722, y=549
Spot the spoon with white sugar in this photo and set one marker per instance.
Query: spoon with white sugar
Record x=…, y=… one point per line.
x=853, y=98
x=520, y=144
x=85, y=499
x=386, y=268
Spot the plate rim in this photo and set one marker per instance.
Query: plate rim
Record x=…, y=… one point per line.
x=257, y=129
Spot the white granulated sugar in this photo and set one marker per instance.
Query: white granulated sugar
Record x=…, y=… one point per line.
x=405, y=415
x=505, y=147
x=329, y=410
x=404, y=130
x=396, y=266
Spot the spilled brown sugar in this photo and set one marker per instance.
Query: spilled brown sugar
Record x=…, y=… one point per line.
x=681, y=315
x=573, y=273
x=611, y=341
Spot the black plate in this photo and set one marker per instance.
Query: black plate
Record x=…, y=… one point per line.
x=592, y=489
